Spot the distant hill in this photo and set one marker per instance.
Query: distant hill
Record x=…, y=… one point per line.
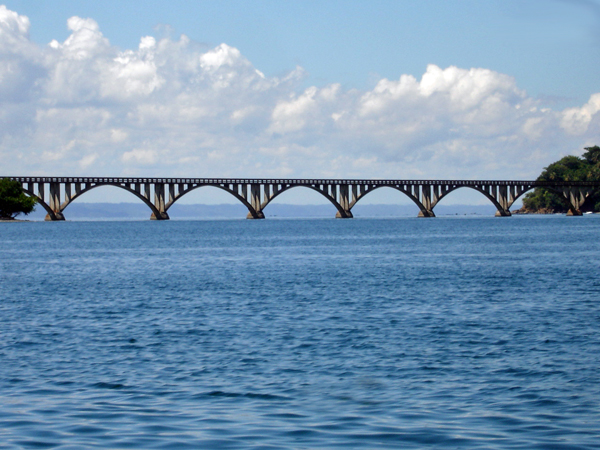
x=139, y=211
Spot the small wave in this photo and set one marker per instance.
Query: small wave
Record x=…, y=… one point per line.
x=37, y=444
x=103, y=385
x=246, y=395
x=87, y=429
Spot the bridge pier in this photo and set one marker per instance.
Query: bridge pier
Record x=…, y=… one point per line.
x=345, y=215
x=256, y=202
x=576, y=197
x=343, y=199
x=54, y=217
x=162, y=216
x=502, y=196
x=258, y=215
x=54, y=203
x=426, y=213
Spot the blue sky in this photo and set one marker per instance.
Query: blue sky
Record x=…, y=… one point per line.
x=425, y=89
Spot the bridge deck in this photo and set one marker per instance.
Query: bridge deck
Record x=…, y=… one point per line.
x=300, y=181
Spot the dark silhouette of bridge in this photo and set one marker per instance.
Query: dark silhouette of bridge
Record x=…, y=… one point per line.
x=54, y=194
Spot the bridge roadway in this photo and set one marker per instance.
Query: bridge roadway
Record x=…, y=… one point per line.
x=54, y=194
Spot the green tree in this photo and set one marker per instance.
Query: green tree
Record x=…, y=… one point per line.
x=592, y=155
x=13, y=200
x=569, y=168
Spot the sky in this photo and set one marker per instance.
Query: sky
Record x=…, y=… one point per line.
x=425, y=89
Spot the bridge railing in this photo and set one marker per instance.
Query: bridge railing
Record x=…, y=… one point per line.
x=297, y=181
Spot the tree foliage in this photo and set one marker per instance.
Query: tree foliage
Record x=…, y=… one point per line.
x=569, y=168
x=13, y=200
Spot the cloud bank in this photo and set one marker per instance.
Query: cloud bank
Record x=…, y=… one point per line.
x=172, y=108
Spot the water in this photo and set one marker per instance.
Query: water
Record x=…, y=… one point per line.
x=444, y=333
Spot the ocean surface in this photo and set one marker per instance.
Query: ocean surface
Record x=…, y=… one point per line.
x=445, y=333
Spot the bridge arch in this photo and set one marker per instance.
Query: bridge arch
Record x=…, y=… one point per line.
x=423, y=210
x=67, y=202
x=341, y=213
x=251, y=210
x=497, y=205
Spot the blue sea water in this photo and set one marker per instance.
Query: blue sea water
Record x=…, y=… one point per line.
x=446, y=333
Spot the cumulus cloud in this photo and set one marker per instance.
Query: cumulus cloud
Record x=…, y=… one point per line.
x=577, y=120
x=171, y=108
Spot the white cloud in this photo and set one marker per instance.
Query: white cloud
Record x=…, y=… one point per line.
x=88, y=160
x=117, y=135
x=85, y=41
x=171, y=108
x=577, y=120
x=140, y=156
x=14, y=29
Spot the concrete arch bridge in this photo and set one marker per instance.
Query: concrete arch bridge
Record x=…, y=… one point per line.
x=54, y=194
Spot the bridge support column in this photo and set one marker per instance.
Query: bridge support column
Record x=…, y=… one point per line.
x=54, y=203
x=502, y=199
x=255, y=203
x=159, y=202
x=425, y=198
x=344, y=201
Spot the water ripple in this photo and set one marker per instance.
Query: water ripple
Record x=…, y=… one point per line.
x=470, y=334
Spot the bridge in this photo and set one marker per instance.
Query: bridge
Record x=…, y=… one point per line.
x=54, y=194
